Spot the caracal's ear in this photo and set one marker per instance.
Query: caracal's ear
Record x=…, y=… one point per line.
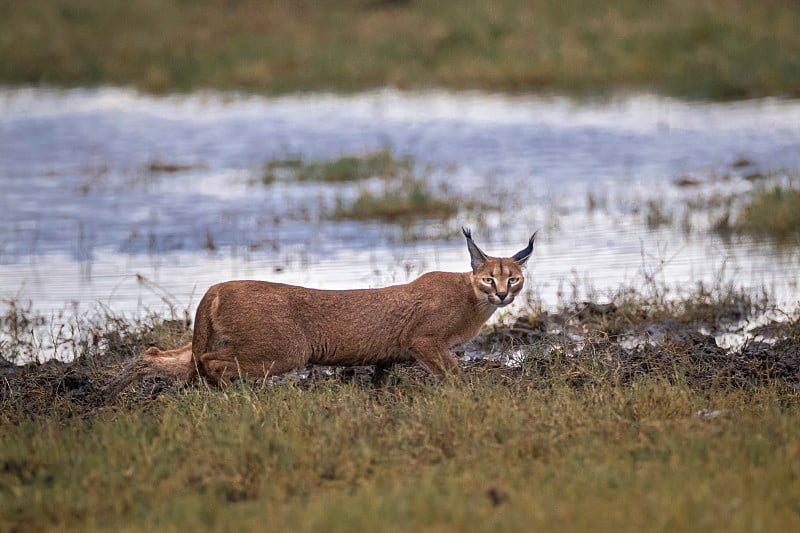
x=477, y=257
x=523, y=255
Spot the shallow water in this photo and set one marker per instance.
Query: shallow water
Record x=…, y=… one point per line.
x=83, y=222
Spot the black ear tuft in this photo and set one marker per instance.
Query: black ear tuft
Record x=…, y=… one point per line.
x=522, y=256
x=477, y=257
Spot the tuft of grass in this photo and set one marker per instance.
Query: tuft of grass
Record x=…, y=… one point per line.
x=18, y=322
x=657, y=215
x=772, y=211
x=713, y=49
x=382, y=163
x=405, y=200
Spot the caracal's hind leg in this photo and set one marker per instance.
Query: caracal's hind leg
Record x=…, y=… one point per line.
x=222, y=366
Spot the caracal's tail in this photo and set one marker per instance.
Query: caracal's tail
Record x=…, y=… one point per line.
x=176, y=364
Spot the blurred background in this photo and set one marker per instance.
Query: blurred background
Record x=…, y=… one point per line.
x=150, y=149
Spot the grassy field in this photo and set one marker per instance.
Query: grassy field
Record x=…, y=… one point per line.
x=718, y=49
x=589, y=433
x=486, y=455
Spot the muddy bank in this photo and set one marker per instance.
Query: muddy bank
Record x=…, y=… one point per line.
x=569, y=347
x=563, y=347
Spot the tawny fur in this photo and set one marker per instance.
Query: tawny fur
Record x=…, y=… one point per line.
x=171, y=364
x=260, y=328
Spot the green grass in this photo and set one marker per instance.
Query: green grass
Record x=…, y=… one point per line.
x=716, y=48
x=382, y=163
x=478, y=456
x=773, y=211
x=402, y=196
x=400, y=201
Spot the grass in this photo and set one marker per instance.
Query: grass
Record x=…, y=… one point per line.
x=767, y=209
x=478, y=456
x=656, y=215
x=24, y=333
x=585, y=435
x=772, y=211
x=402, y=196
x=382, y=163
x=400, y=201
x=714, y=49
x=702, y=305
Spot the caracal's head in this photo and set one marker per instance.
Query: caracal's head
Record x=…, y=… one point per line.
x=498, y=280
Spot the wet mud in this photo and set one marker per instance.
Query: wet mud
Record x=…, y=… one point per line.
x=563, y=347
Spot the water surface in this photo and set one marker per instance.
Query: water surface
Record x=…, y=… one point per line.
x=84, y=222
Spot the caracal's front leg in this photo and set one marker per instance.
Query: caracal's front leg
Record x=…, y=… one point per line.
x=381, y=373
x=435, y=357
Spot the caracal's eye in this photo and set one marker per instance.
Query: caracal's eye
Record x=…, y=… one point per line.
x=488, y=281
x=513, y=281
